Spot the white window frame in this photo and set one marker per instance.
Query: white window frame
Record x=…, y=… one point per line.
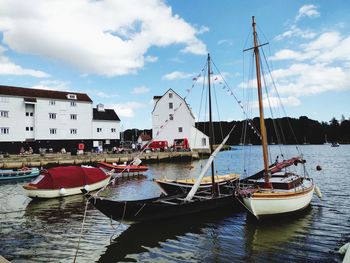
x=171, y=105
x=73, y=104
x=4, y=130
x=72, y=96
x=113, y=130
x=99, y=130
x=73, y=131
x=204, y=141
x=53, y=131
x=180, y=129
x=52, y=102
x=170, y=95
x=4, y=113
x=171, y=117
x=73, y=116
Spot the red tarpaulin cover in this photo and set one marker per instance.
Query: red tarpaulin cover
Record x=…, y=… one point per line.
x=279, y=166
x=68, y=177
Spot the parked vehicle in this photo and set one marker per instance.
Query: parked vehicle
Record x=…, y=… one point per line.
x=157, y=146
x=181, y=145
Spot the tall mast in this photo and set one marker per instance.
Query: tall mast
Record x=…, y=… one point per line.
x=261, y=108
x=211, y=130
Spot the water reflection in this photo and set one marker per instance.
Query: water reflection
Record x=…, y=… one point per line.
x=144, y=237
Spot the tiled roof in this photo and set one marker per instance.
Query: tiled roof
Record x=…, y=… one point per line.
x=107, y=115
x=145, y=137
x=40, y=93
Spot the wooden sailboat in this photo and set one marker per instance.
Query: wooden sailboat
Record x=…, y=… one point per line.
x=276, y=192
x=173, y=205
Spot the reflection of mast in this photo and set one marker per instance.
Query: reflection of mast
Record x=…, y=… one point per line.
x=261, y=109
x=211, y=132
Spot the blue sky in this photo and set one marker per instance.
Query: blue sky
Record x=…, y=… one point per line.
x=122, y=53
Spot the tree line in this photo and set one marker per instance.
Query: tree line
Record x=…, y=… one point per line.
x=286, y=130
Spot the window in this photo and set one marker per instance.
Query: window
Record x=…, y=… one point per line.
x=99, y=129
x=180, y=129
x=170, y=95
x=52, y=102
x=4, y=99
x=72, y=96
x=204, y=141
x=27, y=113
x=4, y=114
x=73, y=131
x=4, y=130
x=73, y=116
x=113, y=129
x=52, y=116
x=73, y=103
x=53, y=131
x=171, y=117
x=171, y=105
x=30, y=114
x=29, y=128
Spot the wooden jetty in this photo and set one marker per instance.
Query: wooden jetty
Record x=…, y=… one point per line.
x=37, y=160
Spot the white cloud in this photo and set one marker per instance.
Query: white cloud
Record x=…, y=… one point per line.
x=7, y=67
x=225, y=41
x=307, y=11
x=98, y=37
x=275, y=102
x=53, y=85
x=102, y=94
x=294, y=31
x=178, y=75
x=127, y=109
x=140, y=90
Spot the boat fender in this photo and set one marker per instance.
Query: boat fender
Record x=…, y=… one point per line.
x=87, y=188
x=318, y=192
x=62, y=191
x=318, y=168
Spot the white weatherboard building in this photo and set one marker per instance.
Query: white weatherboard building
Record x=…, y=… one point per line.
x=53, y=119
x=168, y=124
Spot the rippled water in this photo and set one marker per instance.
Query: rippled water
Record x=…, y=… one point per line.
x=48, y=231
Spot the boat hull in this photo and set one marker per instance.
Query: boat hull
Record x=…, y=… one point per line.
x=123, y=168
x=173, y=187
x=53, y=193
x=20, y=174
x=158, y=208
x=278, y=203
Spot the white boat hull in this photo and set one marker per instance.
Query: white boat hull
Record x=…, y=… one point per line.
x=53, y=193
x=278, y=203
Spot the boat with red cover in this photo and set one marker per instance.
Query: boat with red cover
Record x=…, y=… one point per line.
x=66, y=180
x=122, y=168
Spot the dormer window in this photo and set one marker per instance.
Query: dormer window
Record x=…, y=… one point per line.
x=72, y=96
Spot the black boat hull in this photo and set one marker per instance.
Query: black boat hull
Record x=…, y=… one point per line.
x=159, y=208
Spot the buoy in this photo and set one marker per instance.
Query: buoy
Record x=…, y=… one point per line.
x=62, y=191
x=318, y=168
x=87, y=188
x=318, y=192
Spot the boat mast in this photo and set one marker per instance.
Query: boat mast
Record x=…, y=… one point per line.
x=261, y=108
x=211, y=132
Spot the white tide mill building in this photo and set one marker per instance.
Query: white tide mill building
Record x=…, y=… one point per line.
x=172, y=119
x=53, y=119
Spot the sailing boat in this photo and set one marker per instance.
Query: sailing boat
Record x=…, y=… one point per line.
x=275, y=192
x=173, y=205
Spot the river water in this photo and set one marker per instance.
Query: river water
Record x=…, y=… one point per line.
x=49, y=230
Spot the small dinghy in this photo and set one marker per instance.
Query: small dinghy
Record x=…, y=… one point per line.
x=123, y=168
x=22, y=173
x=66, y=180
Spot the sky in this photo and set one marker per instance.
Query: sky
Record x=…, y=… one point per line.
x=122, y=53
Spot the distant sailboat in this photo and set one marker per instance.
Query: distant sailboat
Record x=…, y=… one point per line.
x=273, y=191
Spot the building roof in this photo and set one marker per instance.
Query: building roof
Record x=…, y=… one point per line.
x=106, y=115
x=40, y=93
x=159, y=97
x=145, y=137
